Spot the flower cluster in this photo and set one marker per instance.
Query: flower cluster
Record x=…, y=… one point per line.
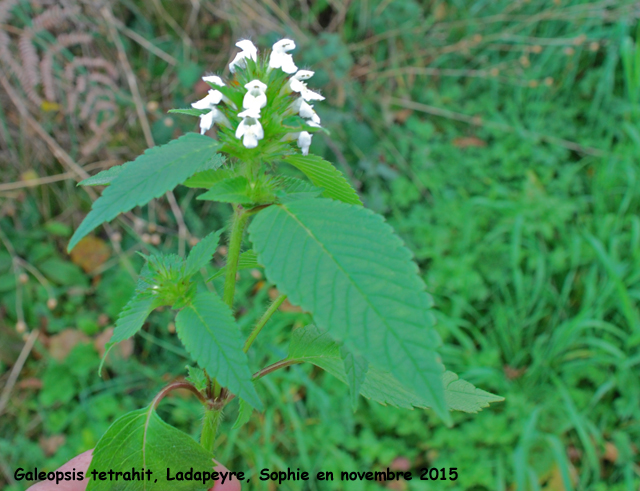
x=268, y=100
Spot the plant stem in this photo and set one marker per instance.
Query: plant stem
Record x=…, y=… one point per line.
x=263, y=320
x=212, y=418
x=238, y=224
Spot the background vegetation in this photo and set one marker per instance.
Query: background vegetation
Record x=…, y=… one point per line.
x=500, y=139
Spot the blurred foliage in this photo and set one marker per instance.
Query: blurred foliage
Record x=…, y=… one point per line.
x=501, y=141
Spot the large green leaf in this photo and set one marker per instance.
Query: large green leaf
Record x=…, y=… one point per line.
x=324, y=175
x=152, y=174
x=141, y=440
x=208, y=330
x=312, y=345
x=344, y=264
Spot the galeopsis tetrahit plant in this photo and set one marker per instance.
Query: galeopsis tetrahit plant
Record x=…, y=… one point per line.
x=372, y=328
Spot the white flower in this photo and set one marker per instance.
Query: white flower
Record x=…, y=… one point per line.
x=304, y=141
x=248, y=51
x=298, y=85
x=305, y=110
x=214, y=115
x=255, y=96
x=303, y=74
x=214, y=79
x=250, y=129
x=279, y=57
x=212, y=98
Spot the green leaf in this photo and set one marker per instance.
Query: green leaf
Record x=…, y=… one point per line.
x=293, y=189
x=211, y=335
x=207, y=178
x=464, y=396
x=312, y=345
x=247, y=260
x=202, y=253
x=103, y=178
x=231, y=190
x=355, y=368
x=344, y=264
x=189, y=111
x=141, y=440
x=244, y=414
x=132, y=318
x=324, y=175
x=197, y=378
x=152, y=174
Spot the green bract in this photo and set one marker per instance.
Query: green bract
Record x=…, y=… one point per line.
x=340, y=262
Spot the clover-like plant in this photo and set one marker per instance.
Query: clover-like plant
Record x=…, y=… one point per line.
x=372, y=326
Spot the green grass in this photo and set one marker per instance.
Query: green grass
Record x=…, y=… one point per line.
x=517, y=189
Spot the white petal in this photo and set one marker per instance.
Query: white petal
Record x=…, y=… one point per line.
x=296, y=85
x=250, y=140
x=249, y=47
x=310, y=95
x=256, y=84
x=210, y=100
x=250, y=112
x=242, y=128
x=254, y=101
x=288, y=66
x=206, y=122
x=284, y=45
x=214, y=79
x=259, y=131
x=304, y=141
x=303, y=75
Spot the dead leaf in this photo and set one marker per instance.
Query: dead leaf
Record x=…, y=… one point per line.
x=402, y=464
x=61, y=344
x=51, y=444
x=402, y=115
x=611, y=452
x=514, y=373
x=30, y=383
x=469, y=141
x=90, y=253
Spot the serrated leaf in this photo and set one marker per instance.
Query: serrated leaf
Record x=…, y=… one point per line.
x=132, y=318
x=197, y=378
x=345, y=265
x=324, y=175
x=207, y=178
x=244, y=414
x=141, y=440
x=211, y=335
x=464, y=396
x=231, y=190
x=189, y=111
x=355, y=369
x=293, y=189
x=152, y=174
x=312, y=345
x=103, y=178
x=202, y=253
x=248, y=259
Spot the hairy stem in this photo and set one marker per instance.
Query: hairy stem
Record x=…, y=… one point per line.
x=212, y=418
x=262, y=321
x=238, y=224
